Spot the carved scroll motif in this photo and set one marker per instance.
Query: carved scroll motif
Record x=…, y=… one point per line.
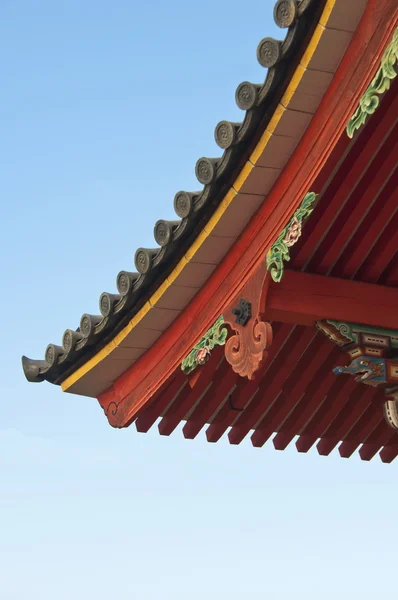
x=200, y=353
x=247, y=348
x=279, y=252
x=370, y=101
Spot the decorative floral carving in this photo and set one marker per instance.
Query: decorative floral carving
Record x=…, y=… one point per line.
x=381, y=83
x=279, y=252
x=215, y=336
x=342, y=334
x=246, y=350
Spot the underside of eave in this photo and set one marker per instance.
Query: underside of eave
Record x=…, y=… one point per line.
x=87, y=380
x=297, y=397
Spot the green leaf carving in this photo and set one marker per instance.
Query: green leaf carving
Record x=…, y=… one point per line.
x=279, y=252
x=215, y=336
x=381, y=83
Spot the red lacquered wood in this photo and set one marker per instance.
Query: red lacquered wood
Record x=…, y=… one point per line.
x=142, y=380
x=351, y=171
x=356, y=405
x=390, y=274
x=335, y=401
x=222, y=386
x=383, y=436
x=248, y=347
x=369, y=421
x=363, y=196
x=243, y=394
x=307, y=367
x=271, y=384
x=304, y=298
x=389, y=453
x=190, y=396
x=157, y=407
x=381, y=255
x=312, y=400
x=371, y=229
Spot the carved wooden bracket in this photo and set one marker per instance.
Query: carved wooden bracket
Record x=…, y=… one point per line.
x=374, y=359
x=247, y=348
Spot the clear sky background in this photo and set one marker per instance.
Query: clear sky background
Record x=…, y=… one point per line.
x=104, y=109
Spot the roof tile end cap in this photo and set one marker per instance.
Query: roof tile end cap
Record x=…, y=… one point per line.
x=31, y=369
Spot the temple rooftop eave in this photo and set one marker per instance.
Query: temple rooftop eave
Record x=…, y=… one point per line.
x=277, y=113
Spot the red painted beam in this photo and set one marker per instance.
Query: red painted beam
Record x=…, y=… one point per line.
x=225, y=380
x=303, y=298
x=361, y=431
x=157, y=407
x=313, y=398
x=190, y=396
x=382, y=254
x=390, y=275
x=271, y=384
x=368, y=233
x=389, y=453
x=141, y=381
x=368, y=189
x=346, y=179
x=243, y=395
x=356, y=405
x=309, y=365
x=383, y=436
x=335, y=400
x=240, y=399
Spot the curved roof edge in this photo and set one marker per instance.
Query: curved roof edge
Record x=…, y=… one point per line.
x=194, y=208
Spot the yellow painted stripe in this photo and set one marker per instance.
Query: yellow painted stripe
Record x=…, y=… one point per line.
x=223, y=206
x=316, y=38
x=292, y=89
x=327, y=11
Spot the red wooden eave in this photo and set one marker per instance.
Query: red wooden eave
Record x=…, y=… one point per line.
x=348, y=251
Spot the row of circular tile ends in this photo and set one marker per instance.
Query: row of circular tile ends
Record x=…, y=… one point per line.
x=210, y=172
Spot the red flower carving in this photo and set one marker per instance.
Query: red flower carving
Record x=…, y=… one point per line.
x=202, y=355
x=293, y=234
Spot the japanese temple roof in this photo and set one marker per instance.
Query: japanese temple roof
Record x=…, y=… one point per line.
x=349, y=243
x=244, y=317
x=255, y=152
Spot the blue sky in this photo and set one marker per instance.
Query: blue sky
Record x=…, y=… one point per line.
x=104, y=110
